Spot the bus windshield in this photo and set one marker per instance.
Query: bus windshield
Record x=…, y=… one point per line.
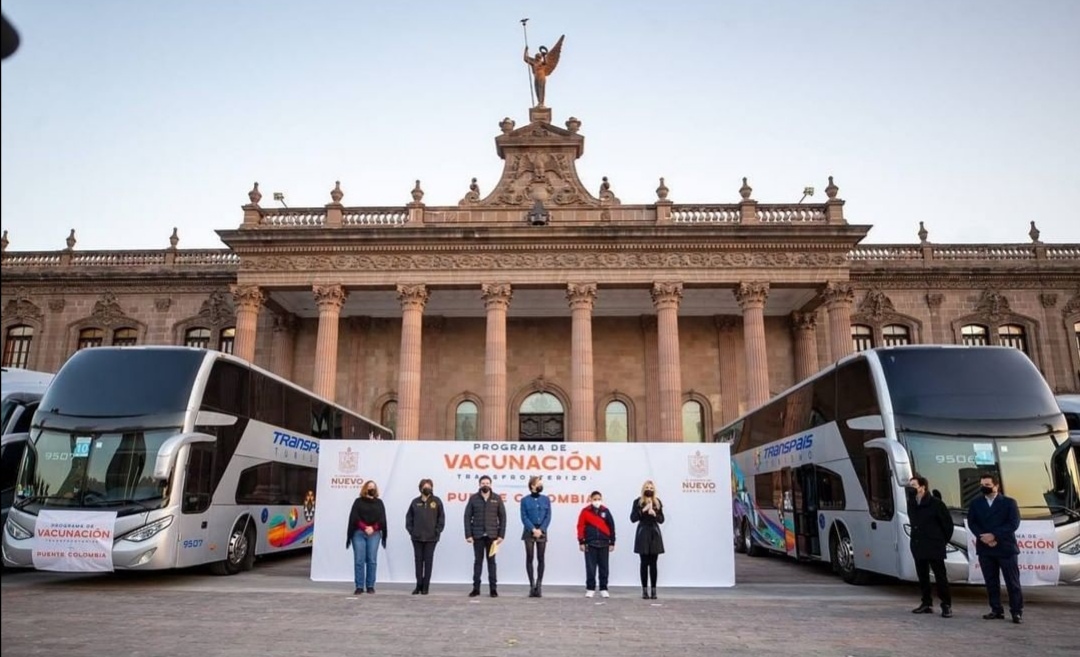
x=95, y=470
x=107, y=383
x=989, y=384
x=953, y=467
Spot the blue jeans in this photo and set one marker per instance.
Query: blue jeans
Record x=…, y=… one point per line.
x=365, y=558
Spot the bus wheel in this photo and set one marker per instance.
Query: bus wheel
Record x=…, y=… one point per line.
x=843, y=558
x=747, y=539
x=240, y=554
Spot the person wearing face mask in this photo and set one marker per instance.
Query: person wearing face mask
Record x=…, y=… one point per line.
x=648, y=512
x=535, y=518
x=596, y=538
x=485, y=528
x=931, y=529
x=424, y=521
x=367, y=528
x=994, y=519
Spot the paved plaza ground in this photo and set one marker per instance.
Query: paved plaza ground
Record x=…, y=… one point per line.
x=777, y=608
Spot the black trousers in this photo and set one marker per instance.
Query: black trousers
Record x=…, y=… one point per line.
x=424, y=557
x=596, y=559
x=922, y=569
x=532, y=545
x=481, y=551
x=994, y=568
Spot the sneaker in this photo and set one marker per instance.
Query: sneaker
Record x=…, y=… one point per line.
x=605, y=594
x=371, y=590
x=473, y=593
x=923, y=609
x=946, y=611
x=589, y=594
x=358, y=592
x=1017, y=618
x=994, y=615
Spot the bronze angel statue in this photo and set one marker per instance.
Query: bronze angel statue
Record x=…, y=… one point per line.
x=543, y=65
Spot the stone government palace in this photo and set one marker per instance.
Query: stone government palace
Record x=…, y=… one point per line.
x=542, y=311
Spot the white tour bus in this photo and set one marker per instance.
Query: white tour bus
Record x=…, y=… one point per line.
x=202, y=457
x=818, y=473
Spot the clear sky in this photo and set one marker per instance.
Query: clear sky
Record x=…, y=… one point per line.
x=122, y=119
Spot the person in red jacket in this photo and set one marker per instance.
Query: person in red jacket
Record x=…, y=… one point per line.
x=596, y=538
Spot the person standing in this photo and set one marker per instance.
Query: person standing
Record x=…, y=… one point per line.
x=993, y=519
x=931, y=529
x=596, y=538
x=535, y=518
x=367, y=528
x=648, y=512
x=424, y=521
x=485, y=528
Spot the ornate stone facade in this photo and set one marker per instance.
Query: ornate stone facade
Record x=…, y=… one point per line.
x=602, y=321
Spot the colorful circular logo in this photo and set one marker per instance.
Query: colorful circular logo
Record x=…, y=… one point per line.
x=265, y=515
x=293, y=517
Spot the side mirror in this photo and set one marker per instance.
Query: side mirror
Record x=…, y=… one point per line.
x=866, y=423
x=166, y=456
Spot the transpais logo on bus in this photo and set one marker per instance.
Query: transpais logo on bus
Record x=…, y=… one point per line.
x=803, y=442
x=295, y=442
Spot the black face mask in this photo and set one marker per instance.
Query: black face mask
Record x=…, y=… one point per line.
x=648, y=493
x=987, y=490
x=485, y=489
x=371, y=493
x=539, y=489
x=425, y=491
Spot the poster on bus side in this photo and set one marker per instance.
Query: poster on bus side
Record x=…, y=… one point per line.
x=1038, y=560
x=74, y=541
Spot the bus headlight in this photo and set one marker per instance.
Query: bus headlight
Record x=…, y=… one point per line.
x=16, y=531
x=148, y=531
x=1071, y=548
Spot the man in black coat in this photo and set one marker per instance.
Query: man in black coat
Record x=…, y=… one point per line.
x=485, y=528
x=931, y=529
x=994, y=519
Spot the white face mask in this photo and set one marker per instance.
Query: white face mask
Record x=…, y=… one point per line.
x=596, y=504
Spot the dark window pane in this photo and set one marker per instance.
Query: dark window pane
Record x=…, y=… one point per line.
x=17, y=346
x=91, y=337
x=228, y=389
x=125, y=337
x=197, y=337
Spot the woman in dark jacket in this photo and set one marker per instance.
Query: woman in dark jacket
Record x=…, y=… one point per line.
x=648, y=512
x=367, y=528
x=931, y=529
x=424, y=521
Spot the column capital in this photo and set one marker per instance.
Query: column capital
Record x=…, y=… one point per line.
x=581, y=295
x=496, y=295
x=838, y=293
x=725, y=323
x=752, y=294
x=412, y=297
x=329, y=297
x=284, y=323
x=247, y=297
x=803, y=321
x=667, y=294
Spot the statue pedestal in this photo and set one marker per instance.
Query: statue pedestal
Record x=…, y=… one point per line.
x=539, y=114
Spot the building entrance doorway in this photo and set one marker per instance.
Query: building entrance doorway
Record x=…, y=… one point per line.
x=542, y=418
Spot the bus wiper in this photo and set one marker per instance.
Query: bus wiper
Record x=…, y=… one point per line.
x=23, y=501
x=118, y=502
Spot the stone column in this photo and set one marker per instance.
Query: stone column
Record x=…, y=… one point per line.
x=666, y=298
x=726, y=326
x=751, y=297
x=838, y=300
x=803, y=326
x=582, y=298
x=652, y=376
x=249, y=300
x=496, y=298
x=282, y=345
x=329, y=299
x=413, y=298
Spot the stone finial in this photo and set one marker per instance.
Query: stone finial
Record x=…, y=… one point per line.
x=923, y=233
x=573, y=124
x=336, y=194
x=745, y=190
x=4, y=243
x=71, y=240
x=174, y=239
x=831, y=190
x=662, y=191
x=474, y=187
x=507, y=125
x=417, y=193
x=605, y=186
x=1034, y=234
x=255, y=195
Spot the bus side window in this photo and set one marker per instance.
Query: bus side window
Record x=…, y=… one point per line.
x=763, y=490
x=879, y=484
x=830, y=490
x=198, y=478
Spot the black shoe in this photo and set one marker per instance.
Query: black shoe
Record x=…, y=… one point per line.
x=923, y=609
x=994, y=615
x=533, y=593
x=538, y=593
x=358, y=592
x=946, y=611
x=1018, y=619
x=652, y=594
x=416, y=591
x=424, y=591
x=473, y=593
x=494, y=593
x=644, y=593
x=371, y=590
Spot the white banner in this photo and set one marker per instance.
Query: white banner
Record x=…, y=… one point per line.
x=74, y=541
x=693, y=481
x=1038, y=560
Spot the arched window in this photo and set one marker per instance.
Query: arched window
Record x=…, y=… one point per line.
x=228, y=340
x=388, y=415
x=91, y=337
x=894, y=335
x=693, y=422
x=1076, y=332
x=541, y=417
x=862, y=337
x=17, y=345
x=974, y=335
x=465, y=422
x=616, y=422
x=1012, y=335
x=125, y=337
x=197, y=337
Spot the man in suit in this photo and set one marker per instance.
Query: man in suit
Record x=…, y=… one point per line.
x=994, y=518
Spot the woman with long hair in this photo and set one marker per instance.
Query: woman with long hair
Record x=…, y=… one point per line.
x=648, y=513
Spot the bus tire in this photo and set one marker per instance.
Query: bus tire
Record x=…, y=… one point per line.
x=240, y=551
x=842, y=554
x=746, y=537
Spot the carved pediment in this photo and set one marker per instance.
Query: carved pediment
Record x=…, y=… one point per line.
x=877, y=305
x=107, y=310
x=217, y=309
x=21, y=308
x=993, y=305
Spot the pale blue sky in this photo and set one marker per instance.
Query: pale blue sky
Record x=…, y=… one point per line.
x=122, y=119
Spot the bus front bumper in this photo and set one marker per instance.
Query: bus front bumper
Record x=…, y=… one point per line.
x=155, y=553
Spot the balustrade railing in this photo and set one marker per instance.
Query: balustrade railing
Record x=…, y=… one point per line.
x=791, y=214
x=374, y=216
x=705, y=214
